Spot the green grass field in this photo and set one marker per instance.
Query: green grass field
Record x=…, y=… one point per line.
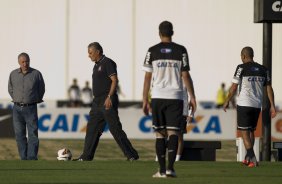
x=117, y=171
x=109, y=166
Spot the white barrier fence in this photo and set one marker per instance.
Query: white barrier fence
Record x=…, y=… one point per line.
x=71, y=123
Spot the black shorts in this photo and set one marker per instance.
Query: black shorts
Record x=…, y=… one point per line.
x=247, y=118
x=183, y=125
x=167, y=113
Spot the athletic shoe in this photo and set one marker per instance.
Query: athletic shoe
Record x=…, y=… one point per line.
x=170, y=173
x=159, y=175
x=132, y=159
x=245, y=162
x=78, y=159
x=253, y=164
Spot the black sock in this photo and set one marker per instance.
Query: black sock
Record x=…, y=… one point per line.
x=247, y=158
x=172, y=150
x=160, y=151
x=250, y=153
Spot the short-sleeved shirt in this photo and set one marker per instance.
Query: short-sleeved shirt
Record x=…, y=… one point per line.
x=251, y=78
x=74, y=92
x=166, y=61
x=102, y=71
x=86, y=95
x=26, y=88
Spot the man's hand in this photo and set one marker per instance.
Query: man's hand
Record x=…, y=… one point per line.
x=272, y=112
x=146, y=107
x=108, y=103
x=225, y=105
x=192, y=104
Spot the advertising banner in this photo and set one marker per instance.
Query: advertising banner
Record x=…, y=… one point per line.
x=70, y=123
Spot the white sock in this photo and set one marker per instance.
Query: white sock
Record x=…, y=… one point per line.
x=177, y=157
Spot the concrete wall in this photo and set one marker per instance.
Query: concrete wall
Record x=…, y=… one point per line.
x=56, y=33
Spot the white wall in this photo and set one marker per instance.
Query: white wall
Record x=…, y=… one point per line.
x=38, y=28
x=56, y=33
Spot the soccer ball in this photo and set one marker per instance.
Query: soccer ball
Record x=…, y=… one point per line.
x=64, y=154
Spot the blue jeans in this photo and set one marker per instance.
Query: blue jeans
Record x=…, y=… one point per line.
x=26, y=118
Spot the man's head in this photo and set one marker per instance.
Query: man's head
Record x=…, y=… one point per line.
x=74, y=81
x=95, y=51
x=247, y=54
x=23, y=60
x=166, y=29
x=222, y=85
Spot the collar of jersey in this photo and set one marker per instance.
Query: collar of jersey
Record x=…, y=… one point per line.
x=98, y=62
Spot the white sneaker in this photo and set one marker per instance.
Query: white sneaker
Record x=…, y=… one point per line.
x=170, y=173
x=159, y=175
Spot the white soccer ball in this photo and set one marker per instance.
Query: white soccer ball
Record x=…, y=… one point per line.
x=64, y=154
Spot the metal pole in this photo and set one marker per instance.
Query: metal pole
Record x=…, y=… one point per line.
x=266, y=119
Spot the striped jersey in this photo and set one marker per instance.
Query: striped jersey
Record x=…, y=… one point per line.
x=166, y=61
x=251, y=78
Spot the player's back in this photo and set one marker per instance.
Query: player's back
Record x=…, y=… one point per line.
x=253, y=77
x=167, y=61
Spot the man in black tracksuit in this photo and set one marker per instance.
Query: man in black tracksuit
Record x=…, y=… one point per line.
x=104, y=107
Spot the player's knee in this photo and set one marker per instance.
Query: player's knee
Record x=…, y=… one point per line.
x=160, y=133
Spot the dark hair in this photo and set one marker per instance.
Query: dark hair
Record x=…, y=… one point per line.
x=97, y=46
x=166, y=28
x=248, y=51
x=24, y=55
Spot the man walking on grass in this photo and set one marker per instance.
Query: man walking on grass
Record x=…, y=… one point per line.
x=251, y=77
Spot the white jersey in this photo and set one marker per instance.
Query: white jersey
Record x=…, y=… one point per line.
x=167, y=61
x=251, y=78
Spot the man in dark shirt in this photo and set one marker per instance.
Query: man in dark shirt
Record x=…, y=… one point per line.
x=104, y=107
x=26, y=87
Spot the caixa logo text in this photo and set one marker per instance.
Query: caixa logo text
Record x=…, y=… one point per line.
x=212, y=125
x=62, y=122
x=277, y=6
x=256, y=79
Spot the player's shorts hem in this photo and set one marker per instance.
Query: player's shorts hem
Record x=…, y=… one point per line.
x=165, y=127
x=246, y=128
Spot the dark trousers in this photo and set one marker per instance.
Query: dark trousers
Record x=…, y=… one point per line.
x=96, y=124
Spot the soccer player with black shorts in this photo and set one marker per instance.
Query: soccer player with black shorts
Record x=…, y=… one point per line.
x=166, y=66
x=251, y=78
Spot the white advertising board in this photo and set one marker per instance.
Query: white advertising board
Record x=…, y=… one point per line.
x=70, y=123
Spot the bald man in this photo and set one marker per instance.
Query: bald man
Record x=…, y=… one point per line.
x=252, y=78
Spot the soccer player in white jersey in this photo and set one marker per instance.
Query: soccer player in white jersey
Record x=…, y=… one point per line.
x=251, y=78
x=166, y=66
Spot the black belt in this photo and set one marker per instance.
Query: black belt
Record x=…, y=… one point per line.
x=24, y=104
